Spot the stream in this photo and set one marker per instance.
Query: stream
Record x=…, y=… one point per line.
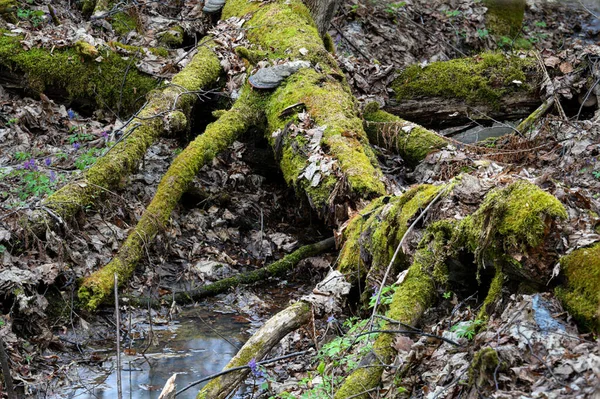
x=197, y=344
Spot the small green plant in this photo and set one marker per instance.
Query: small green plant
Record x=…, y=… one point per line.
x=540, y=24
x=11, y=121
x=80, y=137
x=21, y=156
x=596, y=174
x=466, y=329
x=393, y=8
x=87, y=158
x=36, y=17
x=2, y=249
x=482, y=33
x=177, y=151
x=447, y=294
x=386, y=295
x=453, y=13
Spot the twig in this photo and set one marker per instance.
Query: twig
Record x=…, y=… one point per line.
x=588, y=10
x=10, y=389
x=410, y=332
x=210, y=377
x=119, y=386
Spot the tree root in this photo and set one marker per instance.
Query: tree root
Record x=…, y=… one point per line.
x=512, y=223
x=256, y=348
x=409, y=140
x=276, y=268
x=107, y=173
x=217, y=137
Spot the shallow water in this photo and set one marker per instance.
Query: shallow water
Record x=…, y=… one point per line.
x=199, y=344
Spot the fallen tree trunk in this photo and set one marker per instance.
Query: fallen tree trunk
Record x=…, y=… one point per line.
x=491, y=85
x=167, y=108
x=217, y=137
x=323, y=152
x=81, y=73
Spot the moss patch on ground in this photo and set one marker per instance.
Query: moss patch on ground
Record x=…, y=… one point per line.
x=483, y=79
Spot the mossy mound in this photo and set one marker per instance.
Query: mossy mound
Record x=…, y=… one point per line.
x=483, y=79
x=504, y=17
x=581, y=293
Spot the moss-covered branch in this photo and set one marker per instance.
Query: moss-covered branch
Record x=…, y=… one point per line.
x=277, y=268
x=218, y=136
x=286, y=29
x=411, y=141
x=109, y=170
x=256, y=348
x=490, y=84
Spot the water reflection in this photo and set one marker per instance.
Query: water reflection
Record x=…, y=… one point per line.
x=194, y=350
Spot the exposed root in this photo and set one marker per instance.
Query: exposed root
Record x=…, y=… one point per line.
x=218, y=136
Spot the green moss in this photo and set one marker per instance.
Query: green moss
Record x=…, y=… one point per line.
x=123, y=23
x=88, y=7
x=484, y=79
x=493, y=296
x=411, y=141
x=133, y=50
x=372, y=236
x=81, y=77
x=282, y=27
x=86, y=49
x=510, y=220
x=483, y=366
x=581, y=294
x=328, y=43
x=7, y=9
x=504, y=17
x=172, y=38
x=330, y=105
x=108, y=171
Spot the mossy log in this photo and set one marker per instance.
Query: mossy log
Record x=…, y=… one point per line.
x=516, y=222
x=82, y=73
x=288, y=31
x=409, y=140
x=217, y=137
x=256, y=348
x=277, y=268
x=108, y=172
x=451, y=92
x=580, y=292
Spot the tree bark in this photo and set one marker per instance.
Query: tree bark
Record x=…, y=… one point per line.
x=322, y=12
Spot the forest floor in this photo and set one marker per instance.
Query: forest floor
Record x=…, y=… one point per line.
x=240, y=215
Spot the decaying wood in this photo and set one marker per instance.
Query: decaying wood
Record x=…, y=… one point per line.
x=440, y=111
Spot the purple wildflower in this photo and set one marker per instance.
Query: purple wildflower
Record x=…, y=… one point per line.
x=254, y=368
x=331, y=319
x=104, y=134
x=30, y=165
x=71, y=113
x=76, y=146
x=52, y=176
x=48, y=161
